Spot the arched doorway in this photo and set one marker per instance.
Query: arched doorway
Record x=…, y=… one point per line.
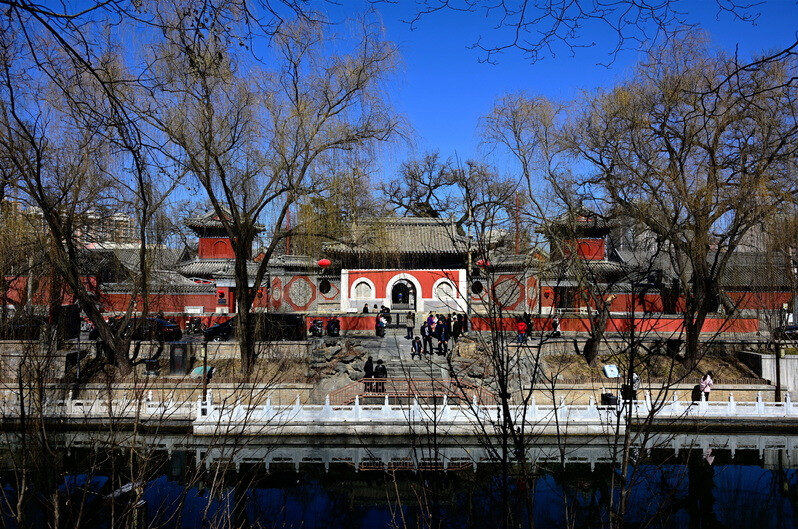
x=403, y=295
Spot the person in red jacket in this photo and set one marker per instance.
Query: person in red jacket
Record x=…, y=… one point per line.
x=521, y=329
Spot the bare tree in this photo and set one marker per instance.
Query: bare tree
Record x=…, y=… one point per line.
x=257, y=143
x=699, y=151
x=545, y=29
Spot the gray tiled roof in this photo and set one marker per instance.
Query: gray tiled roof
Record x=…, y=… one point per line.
x=213, y=268
x=591, y=270
x=210, y=219
x=159, y=257
x=413, y=235
x=293, y=261
x=164, y=282
x=577, y=220
x=757, y=271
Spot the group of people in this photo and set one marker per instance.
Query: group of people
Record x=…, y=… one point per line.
x=436, y=331
x=523, y=325
x=379, y=372
x=381, y=320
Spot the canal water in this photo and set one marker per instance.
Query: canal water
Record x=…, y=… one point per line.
x=679, y=481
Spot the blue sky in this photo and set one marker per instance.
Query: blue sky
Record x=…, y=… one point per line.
x=443, y=89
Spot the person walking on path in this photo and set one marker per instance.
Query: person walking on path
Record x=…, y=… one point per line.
x=706, y=385
x=520, y=327
x=555, y=327
x=379, y=325
x=368, y=374
x=415, y=348
x=380, y=373
x=457, y=328
x=443, y=332
x=410, y=324
x=426, y=336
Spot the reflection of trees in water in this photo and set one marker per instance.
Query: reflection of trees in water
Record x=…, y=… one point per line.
x=740, y=489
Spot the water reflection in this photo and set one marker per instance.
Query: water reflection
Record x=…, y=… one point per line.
x=184, y=482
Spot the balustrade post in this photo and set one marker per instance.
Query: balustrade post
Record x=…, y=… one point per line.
x=592, y=411
x=760, y=406
x=297, y=408
x=268, y=410
x=327, y=411
x=732, y=405
x=386, y=409
x=356, y=407
x=787, y=405
x=648, y=400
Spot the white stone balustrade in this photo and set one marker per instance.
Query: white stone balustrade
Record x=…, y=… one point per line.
x=208, y=417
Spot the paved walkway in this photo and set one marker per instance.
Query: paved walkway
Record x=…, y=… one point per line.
x=394, y=350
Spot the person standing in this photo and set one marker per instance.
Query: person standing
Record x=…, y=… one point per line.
x=380, y=373
x=415, y=348
x=521, y=328
x=457, y=327
x=365, y=308
x=706, y=385
x=555, y=327
x=379, y=325
x=368, y=374
x=443, y=331
x=426, y=336
x=410, y=324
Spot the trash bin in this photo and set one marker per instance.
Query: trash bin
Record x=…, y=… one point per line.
x=178, y=358
x=695, y=394
x=628, y=392
x=152, y=366
x=609, y=399
x=673, y=346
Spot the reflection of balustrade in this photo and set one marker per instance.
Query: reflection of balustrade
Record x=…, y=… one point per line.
x=459, y=455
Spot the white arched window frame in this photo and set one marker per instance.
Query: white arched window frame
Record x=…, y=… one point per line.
x=363, y=289
x=444, y=290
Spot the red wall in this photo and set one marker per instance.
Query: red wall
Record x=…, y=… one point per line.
x=590, y=249
x=215, y=248
x=426, y=279
x=761, y=300
x=630, y=303
x=657, y=324
x=163, y=302
x=365, y=322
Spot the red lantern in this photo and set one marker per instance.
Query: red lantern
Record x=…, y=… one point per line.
x=483, y=263
x=324, y=263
